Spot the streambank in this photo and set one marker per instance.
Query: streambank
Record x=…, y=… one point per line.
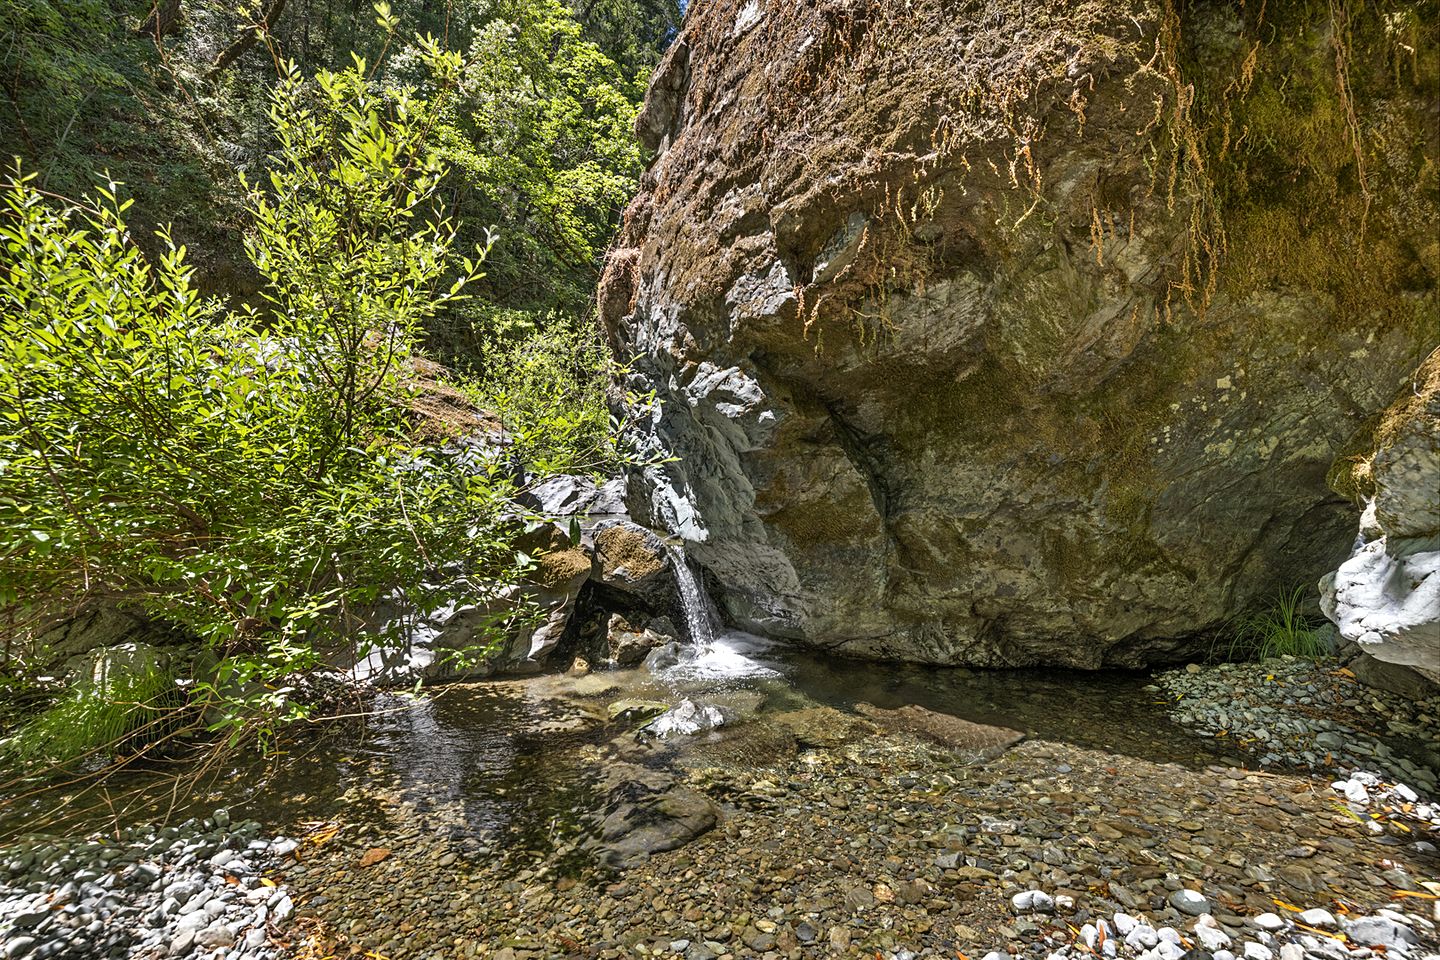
x=838, y=837
x=1311, y=714
x=198, y=887
x=835, y=810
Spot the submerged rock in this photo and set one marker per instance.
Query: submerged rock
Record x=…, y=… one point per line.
x=952, y=371
x=632, y=709
x=822, y=726
x=942, y=728
x=647, y=813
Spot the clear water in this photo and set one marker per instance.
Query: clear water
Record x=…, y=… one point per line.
x=513, y=765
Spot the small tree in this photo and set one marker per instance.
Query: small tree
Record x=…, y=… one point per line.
x=247, y=476
x=349, y=237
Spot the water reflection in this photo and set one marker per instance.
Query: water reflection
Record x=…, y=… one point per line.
x=512, y=764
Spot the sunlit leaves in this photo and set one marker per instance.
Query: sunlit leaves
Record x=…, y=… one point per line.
x=247, y=476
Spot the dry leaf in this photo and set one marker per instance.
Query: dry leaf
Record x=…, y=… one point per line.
x=323, y=836
x=374, y=855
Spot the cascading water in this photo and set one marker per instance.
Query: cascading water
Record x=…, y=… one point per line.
x=700, y=618
x=715, y=653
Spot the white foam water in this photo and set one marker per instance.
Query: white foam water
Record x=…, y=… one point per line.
x=700, y=618
x=714, y=653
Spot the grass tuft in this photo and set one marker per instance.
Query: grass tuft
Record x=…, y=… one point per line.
x=99, y=716
x=1281, y=630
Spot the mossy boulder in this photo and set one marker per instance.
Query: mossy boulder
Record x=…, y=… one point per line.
x=1023, y=333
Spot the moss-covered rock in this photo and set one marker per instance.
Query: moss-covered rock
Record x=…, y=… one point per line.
x=1015, y=333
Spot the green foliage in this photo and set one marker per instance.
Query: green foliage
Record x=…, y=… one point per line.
x=549, y=392
x=248, y=477
x=540, y=136
x=1281, y=630
x=345, y=238
x=634, y=33
x=84, y=93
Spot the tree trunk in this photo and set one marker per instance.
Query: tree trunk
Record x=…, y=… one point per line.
x=164, y=17
x=247, y=38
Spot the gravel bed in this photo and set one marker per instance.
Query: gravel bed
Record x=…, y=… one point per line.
x=1293, y=712
x=885, y=847
x=190, y=890
x=832, y=836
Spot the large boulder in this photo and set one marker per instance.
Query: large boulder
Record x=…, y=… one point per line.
x=99, y=627
x=1386, y=597
x=646, y=812
x=1022, y=333
x=565, y=495
x=635, y=562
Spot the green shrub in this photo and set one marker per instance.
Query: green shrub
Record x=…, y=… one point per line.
x=245, y=476
x=549, y=392
x=1277, y=631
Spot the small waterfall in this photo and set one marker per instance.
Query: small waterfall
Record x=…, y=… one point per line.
x=715, y=655
x=700, y=618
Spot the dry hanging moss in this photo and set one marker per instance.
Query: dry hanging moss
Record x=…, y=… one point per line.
x=1287, y=142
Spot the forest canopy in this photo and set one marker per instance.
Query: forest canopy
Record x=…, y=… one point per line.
x=169, y=97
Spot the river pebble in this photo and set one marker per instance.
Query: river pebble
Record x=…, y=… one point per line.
x=886, y=847
x=1288, y=711
x=188, y=890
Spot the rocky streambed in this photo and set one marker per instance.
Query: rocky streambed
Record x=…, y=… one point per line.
x=835, y=810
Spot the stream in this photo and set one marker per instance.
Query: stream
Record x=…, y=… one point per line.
x=837, y=808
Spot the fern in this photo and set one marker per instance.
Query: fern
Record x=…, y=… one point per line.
x=119, y=711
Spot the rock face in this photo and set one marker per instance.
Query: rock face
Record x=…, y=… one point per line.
x=630, y=642
x=1386, y=597
x=1011, y=334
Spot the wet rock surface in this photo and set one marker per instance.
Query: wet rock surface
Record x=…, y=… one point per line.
x=1386, y=596
x=646, y=813
x=942, y=728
